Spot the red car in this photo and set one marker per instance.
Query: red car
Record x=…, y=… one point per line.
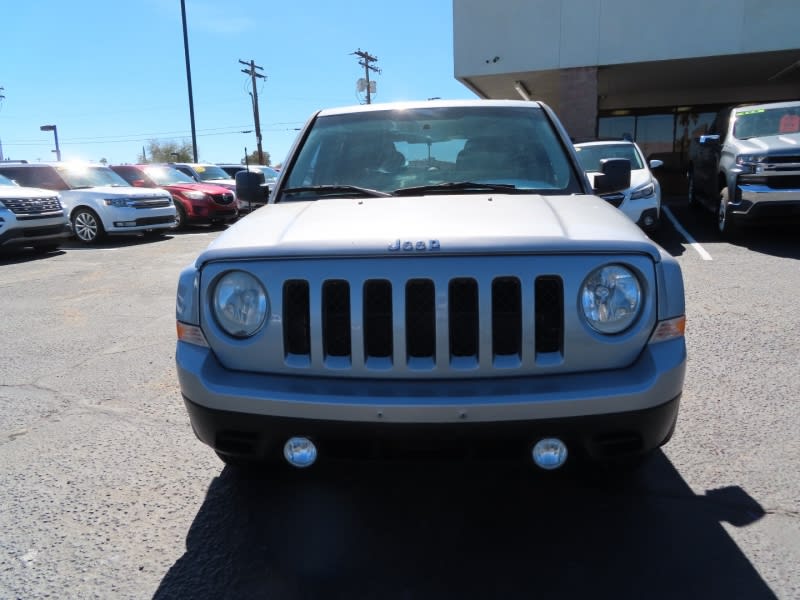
x=195, y=202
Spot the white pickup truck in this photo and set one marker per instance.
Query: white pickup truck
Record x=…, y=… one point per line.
x=746, y=168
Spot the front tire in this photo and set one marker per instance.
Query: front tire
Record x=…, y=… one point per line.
x=180, y=217
x=87, y=226
x=726, y=225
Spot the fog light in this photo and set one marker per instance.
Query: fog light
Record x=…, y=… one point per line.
x=648, y=221
x=549, y=453
x=300, y=452
x=124, y=223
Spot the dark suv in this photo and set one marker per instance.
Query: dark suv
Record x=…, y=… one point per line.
x=195, y=202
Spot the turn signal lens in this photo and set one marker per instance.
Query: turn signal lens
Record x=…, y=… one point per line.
x=191, y=334
x=669, y=329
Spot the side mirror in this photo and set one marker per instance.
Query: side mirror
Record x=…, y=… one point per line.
x=655, y=163
x=709, y=140
x=615, y=175
x=248, y=187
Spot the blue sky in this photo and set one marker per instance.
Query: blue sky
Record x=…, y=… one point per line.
x=111, y=75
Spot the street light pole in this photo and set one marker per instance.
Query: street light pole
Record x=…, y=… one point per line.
x=189, y=78
x=54, y=129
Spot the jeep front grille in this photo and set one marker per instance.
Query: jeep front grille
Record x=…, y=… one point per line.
x=408, y=309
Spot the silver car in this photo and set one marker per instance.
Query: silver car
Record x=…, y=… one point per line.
x=433, y=278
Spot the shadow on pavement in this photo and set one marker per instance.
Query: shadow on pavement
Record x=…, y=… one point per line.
x=458, y=531
x=774, y=240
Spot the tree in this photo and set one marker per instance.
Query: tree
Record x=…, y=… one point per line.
x=252, y=158
x=169, y=151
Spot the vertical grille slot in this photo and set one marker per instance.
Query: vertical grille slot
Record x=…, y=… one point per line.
x=378, y=318
x=296, y=336
x=420, y=318
x=463, y=317
x=506, y=316
x=336, y=318
x=549, y=314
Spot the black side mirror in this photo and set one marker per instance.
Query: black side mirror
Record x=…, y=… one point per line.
x=248, y=187
x=615, y=175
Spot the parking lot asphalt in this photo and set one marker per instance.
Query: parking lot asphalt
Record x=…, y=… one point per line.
x=106, y=493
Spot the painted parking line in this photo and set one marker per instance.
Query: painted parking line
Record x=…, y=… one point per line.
x=691, y=241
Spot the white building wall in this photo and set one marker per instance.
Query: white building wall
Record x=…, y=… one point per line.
x=538, y=35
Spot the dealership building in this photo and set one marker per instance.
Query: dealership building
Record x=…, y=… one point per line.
x=652, y=70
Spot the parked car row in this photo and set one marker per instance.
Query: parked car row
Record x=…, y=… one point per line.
x=42, y=204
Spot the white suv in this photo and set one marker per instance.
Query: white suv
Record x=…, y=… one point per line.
x=641, y=201
x=31, y=217
x=97, y=200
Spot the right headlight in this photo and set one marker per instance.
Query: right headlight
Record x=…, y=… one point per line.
x=643, y=192
x=240, y=304
x=195, y=195
x=611, y=299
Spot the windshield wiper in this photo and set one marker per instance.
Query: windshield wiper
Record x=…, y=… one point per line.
x=456, y=186
x=335, y=190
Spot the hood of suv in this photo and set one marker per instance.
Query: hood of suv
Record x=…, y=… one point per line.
x=206, y=188
x=9, y=191
x=108, y=191
x=786, y=143
x=457, y=224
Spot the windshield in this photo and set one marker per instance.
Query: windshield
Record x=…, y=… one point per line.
x=590, y=155
x=270, y=175
x=762, y=122
x=211, y=172
x=84, y=176
x=167, y=176
x=391, y=150
x=6, y=181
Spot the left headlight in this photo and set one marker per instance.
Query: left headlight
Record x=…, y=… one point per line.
x=611, y=299
x=240, y=304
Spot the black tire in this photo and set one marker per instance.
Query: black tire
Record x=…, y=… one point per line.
x=726, y=224
x=180, y=217
x=691, y=194
x=87, y=226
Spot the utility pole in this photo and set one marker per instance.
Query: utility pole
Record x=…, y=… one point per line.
x=366, y=61
x=251, y=70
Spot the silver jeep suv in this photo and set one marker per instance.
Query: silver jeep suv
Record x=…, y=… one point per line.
x=433, y=277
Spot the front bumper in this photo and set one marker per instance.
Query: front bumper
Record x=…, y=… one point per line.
x=629, y=410
x=131, y=220
x=31, y=236
x=760, y=202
